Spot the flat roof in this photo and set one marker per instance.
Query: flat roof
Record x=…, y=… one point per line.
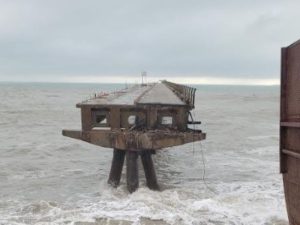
x=160, y=94
x=155, y=93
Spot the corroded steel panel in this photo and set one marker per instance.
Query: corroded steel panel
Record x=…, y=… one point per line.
x=136, y=140
x=290, y=129
x=293, y=84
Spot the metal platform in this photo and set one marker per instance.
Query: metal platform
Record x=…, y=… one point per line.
x=137, y=122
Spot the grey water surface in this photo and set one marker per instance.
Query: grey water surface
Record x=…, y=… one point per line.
x=46, y=178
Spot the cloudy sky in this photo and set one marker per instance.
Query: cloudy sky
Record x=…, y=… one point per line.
x=190, y=41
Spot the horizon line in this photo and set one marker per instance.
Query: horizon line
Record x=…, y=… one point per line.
x=204, y=80
x=132, y=83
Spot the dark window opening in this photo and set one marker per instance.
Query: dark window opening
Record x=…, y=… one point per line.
x=100, y=118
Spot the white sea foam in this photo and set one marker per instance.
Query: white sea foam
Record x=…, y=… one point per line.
x=245, y=203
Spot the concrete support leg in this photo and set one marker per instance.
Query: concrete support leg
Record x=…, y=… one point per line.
x=116, y=167
x=149, y=170
x=132, y=171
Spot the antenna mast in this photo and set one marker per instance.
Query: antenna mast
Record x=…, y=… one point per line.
x=144, y=76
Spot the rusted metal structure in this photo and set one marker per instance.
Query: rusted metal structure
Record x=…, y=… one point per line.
x=290, y=129
x=137, y=122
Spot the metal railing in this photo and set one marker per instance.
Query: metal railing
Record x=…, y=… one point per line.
x=185, y=93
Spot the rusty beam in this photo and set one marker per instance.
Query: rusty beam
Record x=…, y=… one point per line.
x=116, y=167
x=115, y=117
x=135, y=140
x=86, y=119
x=283, y=107
x=290, y=124
x=149, y=169
x=132, y=175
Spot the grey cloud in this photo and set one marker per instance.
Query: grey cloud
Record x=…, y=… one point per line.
x=239, y=39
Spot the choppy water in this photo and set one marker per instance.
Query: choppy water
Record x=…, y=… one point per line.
x=46, y=178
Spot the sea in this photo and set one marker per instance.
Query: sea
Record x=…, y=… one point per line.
x=230, y=178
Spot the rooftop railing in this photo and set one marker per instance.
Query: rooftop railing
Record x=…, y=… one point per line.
x=185, y=93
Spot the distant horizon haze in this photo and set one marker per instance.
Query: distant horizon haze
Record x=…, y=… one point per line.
x=137, y=79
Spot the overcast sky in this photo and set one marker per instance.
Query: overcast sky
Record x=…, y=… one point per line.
x=206, y=41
